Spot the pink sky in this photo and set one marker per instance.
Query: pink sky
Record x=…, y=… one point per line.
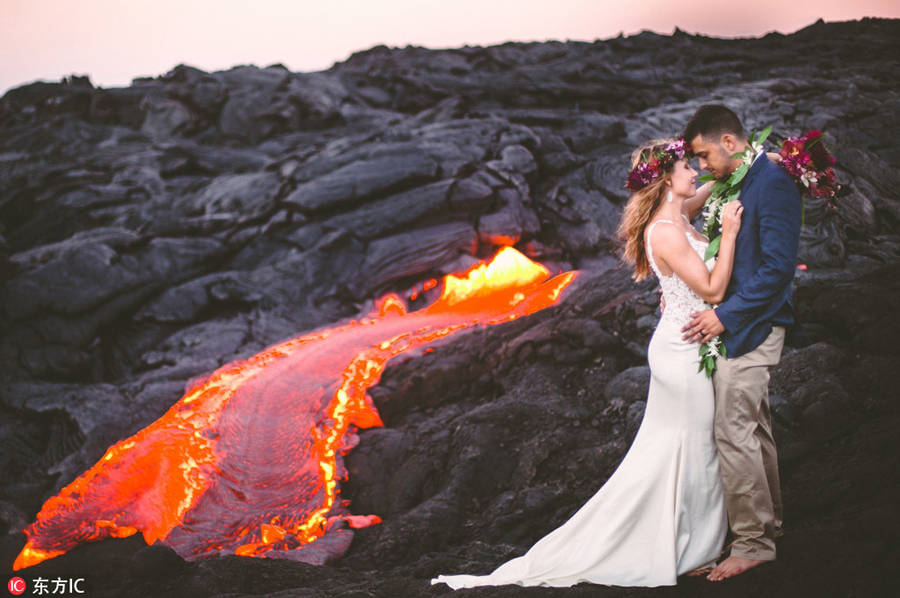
x=115, y=41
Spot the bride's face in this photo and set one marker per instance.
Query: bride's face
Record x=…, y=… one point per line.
x=684, y=179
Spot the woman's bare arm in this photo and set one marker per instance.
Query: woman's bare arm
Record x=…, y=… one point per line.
x=692, y=205
x=672, y=249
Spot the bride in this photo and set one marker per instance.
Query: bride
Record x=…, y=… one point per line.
x=662, y=513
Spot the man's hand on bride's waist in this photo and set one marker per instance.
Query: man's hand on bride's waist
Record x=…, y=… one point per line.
x=703, y=327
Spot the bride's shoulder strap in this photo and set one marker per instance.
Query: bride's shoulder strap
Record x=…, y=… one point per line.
x=654, y=223
x=662, y=220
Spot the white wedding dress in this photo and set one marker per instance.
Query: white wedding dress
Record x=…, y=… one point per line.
x=662, y=513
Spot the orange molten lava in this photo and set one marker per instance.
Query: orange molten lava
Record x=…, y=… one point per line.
x=249, y=461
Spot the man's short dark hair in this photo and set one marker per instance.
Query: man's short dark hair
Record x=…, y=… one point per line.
x=712, y=121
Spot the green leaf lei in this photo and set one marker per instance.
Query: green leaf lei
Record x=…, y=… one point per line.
x=723, y=192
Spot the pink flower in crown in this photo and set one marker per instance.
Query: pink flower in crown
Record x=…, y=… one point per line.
x=639, y=178
x=643, y=174
x=678, y=148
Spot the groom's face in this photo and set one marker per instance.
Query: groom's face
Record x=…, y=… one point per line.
x=713, y=156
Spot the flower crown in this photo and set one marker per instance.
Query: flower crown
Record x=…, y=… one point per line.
x=659, y=163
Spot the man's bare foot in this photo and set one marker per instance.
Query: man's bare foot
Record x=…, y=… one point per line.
x=732, y=566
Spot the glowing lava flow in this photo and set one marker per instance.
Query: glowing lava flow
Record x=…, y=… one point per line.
x=249, y=461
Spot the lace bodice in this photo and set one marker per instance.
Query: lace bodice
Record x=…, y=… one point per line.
x=681, y=301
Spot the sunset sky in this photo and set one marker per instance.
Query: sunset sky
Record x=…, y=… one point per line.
x=115, y=41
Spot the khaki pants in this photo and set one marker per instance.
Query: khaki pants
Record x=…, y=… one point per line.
x=746, y=448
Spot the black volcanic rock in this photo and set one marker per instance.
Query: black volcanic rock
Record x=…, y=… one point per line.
x=150, y=234
x=359, y=181
x=412, y=254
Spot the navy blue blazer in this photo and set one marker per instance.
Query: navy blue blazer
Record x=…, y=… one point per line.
x=759, y=292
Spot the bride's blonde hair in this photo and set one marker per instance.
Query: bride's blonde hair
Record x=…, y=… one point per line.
x=640, y=208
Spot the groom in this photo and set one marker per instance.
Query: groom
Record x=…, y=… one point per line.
x=751, y=321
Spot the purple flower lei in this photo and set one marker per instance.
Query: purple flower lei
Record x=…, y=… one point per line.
x=659, y=163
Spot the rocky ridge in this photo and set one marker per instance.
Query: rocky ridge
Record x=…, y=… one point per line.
x=152, y=233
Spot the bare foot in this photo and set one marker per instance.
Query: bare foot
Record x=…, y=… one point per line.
x=699, y=572
x=732, y=566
